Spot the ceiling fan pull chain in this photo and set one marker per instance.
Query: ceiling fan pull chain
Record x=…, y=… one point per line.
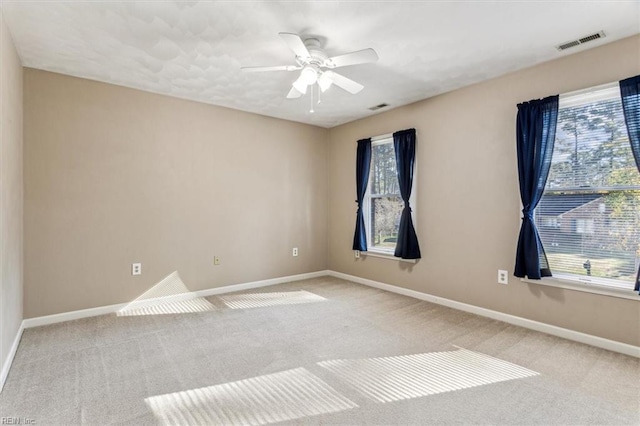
x=311, y=97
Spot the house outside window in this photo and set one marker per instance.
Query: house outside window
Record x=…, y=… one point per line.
x=589, y=215
x=382, y=204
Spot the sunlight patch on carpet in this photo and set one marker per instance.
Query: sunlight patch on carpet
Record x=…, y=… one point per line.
x=396, y=378
x=259, y=300
x=287, y=395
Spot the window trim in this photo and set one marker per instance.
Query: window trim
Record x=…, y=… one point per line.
x=594, y=285
x=570, y=283
x=380, y=252
x=590, y=94
x=385, y=255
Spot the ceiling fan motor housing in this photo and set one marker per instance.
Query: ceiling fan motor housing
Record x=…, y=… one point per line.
x=318, y=56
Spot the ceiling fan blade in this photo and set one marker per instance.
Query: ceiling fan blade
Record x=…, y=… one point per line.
x=293, y=93
x=274, y=68
x=344, y=82
x=296, y=44
x=354, y=58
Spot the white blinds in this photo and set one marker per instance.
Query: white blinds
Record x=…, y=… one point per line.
x=589, y=216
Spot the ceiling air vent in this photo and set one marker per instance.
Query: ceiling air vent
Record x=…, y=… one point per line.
x=586, y=39
x=377, y=107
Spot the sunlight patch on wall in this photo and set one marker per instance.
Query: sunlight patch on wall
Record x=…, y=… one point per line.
x=411, y=376
x=287, y=395
x=168, y=296
x=170, y=285
x=258, y=300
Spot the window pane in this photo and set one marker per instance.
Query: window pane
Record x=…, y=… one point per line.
x=592, y=234
x=591, y=147
x=385, y=219
x=589, y=216
x=385, y=203
x=383, y=170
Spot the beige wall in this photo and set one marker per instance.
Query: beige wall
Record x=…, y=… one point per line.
x=10, y=192
x=468, y=203
x=115, y=176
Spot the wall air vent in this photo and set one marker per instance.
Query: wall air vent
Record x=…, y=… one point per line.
x=377, y=107
x=586, y=39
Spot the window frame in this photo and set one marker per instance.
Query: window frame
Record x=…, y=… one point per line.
x=375, y=251
x=589, y=284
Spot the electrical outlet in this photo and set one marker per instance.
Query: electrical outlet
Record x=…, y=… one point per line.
x=357, y=254
x=294, y=252
x=503, y=276
x=216, y=260
x=136, y=269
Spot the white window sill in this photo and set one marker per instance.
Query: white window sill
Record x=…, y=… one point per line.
x=572, y=283
x=385, y=255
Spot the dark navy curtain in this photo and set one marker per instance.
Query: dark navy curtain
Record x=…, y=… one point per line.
x=630, y=91
x=404, y=143
x=536, y=132
x=363, y=164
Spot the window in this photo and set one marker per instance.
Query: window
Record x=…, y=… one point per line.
x=584, y=226
x=589, y=215
x=550, y=221
x=383, y=204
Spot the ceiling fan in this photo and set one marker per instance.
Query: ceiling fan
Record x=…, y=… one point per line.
x=316, y=66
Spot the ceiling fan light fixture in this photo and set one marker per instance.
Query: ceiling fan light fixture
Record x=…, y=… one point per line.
x=309, y=75
x=324, y=82
x=300, y=85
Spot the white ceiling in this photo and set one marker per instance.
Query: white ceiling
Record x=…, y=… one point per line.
x=194, y=49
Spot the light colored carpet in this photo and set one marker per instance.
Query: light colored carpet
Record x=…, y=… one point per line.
x=320, y=351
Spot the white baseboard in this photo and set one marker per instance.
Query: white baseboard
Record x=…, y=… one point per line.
x=72, y=315
x=102, y=310
x=576, y=336
x=262, y=283
x=12, y=353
